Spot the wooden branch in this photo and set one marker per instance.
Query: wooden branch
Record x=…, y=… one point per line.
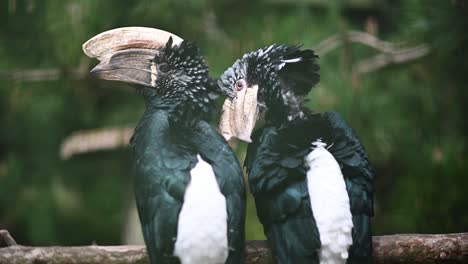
x=395, y=57
x=6, y=238
x=95, y=140
x=410, y=248
x=76, y=255
x=32, y=75
x=391, y=53
x=48, y=74
x=257, y=252
x=337, y=40
x=416, y=248
x=353, y=4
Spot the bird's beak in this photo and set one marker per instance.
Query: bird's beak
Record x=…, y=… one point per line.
x=240, y=114
x=126, y=54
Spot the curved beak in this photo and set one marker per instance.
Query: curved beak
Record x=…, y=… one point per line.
x=239, y=115
x=126, y=54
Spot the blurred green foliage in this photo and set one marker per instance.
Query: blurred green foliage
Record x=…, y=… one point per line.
x=411, y=117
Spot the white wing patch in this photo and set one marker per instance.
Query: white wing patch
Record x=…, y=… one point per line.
x=281, y=65
x=292, y=60
x=330, y=205
x=202, y=227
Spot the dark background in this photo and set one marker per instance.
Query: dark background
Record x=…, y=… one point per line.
x=411, y=116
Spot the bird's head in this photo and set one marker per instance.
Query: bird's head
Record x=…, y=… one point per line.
x=171, y=71
x=274, y=80
x=179, y=74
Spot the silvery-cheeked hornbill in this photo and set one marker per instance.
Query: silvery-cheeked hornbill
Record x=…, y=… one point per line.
x=189, y=186
x=308, y=172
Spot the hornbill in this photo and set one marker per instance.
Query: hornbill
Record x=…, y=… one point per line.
x=189, y=185
x=308, y=172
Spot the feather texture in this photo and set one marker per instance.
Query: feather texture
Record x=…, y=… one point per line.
x=214, y=149
x=300, y=71
x=330, y=205
x=202, y=227
x=284, y=74
x=277, y=174
x=164, y=158
x=177, y=154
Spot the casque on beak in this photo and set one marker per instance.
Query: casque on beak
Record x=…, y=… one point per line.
x=125, y=54
x=239, y=115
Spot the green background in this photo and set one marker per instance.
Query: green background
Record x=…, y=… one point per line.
x=411, y=117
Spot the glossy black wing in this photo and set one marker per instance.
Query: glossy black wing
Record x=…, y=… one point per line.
x=159, y=191
x=352, y=157
x=162, y=175
x=275, y=158
x=216, y=151
x=277, y=179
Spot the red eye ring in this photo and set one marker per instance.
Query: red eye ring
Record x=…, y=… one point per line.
x=240, y=85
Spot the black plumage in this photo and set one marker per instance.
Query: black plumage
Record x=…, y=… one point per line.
x=275, y=159
x=173, y=130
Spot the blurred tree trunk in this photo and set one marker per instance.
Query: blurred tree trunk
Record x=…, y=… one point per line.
x=132, y=230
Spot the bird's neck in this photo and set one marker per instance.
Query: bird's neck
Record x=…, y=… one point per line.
x=179, y=118
x=282, y=106
x=181, y=112
x=157, y=128
x=152, y=129
x=285, y=113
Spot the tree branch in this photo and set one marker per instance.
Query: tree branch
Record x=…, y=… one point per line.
x=390, y=53
x=5, y=238
x=408, y=248
x=94, y=140
x=395, y=57
x=32, y=75
x=337, y=40
x=417, y=248
x=48, y=74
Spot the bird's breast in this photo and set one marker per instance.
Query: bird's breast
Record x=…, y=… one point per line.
x=202, y=225
x=330, y=205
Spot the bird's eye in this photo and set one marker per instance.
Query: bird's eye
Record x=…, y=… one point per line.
x=240, y=84
x=163, y=67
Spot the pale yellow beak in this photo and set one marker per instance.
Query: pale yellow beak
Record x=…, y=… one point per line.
x=240, y=114
x=125, y=54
